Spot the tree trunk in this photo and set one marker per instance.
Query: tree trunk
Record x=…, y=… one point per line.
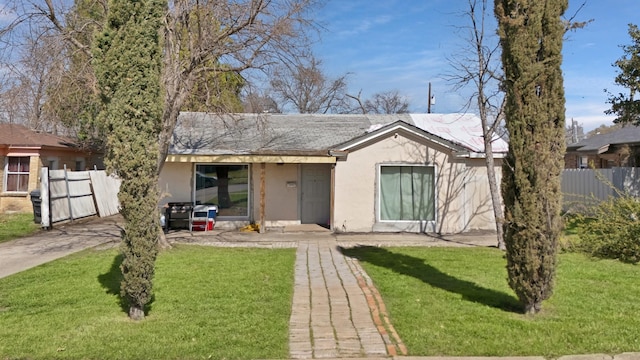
x=224, y=199
x=495, y=192
x=533, y=308
x=136, y=313
x=163, y=243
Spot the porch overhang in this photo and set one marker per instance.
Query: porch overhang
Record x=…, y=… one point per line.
x=250, y=159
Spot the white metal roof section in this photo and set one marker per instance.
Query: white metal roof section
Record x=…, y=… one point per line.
x=464, y=129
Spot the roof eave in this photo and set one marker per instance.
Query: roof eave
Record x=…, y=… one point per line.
x=394, y=127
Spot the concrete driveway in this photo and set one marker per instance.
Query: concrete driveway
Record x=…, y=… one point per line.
x=62, y=240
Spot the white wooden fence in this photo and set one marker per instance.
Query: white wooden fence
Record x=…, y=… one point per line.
x=585, y=187
x=68, y=195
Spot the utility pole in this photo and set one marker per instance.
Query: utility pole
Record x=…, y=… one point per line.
x=432, y=100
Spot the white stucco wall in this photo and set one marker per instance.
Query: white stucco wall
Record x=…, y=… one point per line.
x=176, y=181
x=463, y=200
x=281, y=194
x=356, y=189
x=478, y=196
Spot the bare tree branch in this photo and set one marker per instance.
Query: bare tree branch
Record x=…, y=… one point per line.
x=305, y=87
x=476, y=67
x=242, y=35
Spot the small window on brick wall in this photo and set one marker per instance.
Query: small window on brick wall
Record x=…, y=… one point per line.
x=583, y=162
x=17, y=174
x=79, y=164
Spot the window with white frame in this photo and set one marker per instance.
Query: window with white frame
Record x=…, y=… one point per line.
x=407, y=193
x=17, y=174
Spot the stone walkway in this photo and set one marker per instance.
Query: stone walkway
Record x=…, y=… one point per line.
x=331, y=315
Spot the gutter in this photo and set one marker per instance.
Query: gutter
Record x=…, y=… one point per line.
x=340, y=155
x=478, y=155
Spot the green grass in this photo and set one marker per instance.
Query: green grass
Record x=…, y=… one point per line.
x=209, y=303
x=456, y=301
x=13, y=226
x=571, y=233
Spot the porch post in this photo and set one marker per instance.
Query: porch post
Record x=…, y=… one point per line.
x=332, y=197
x=262, y=195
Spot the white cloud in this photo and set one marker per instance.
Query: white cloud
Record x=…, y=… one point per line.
x=589, y=114
x=365, y=25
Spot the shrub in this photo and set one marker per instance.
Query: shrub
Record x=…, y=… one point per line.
x=570, y=239
x=614, y=230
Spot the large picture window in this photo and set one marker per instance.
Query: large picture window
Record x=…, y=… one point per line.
x=407, y=193
x=226, y=186
x=17, y=174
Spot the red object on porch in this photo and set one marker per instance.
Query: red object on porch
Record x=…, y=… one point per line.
x=203, y=217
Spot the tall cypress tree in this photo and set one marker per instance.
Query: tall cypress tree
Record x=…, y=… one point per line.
x=531, y=34
x=128, y=65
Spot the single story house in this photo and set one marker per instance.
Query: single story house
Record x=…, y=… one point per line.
x=619, y=148
x=22, y=153
x=352, y=173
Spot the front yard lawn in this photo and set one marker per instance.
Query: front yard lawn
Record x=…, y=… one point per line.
x=16, y=225
x=210, y=303
x=456, y=301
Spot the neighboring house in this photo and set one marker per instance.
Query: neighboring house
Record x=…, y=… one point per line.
x=22, y=153
x=619, y=148
x=354, y=173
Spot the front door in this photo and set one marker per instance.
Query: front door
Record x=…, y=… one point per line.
x=316, y=194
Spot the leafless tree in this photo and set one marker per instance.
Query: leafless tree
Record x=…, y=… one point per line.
x=28, y=76
x=478, y=66
x=243, y=35
x=257, y=101
x=200, y=37
x=388, y=102
x=306, y=88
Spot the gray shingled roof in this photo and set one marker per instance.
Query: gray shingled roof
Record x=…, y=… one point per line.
x=238, y=134
x=210, y=134
x=626, y=135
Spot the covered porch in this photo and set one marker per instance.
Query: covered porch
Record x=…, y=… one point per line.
x=275, y=192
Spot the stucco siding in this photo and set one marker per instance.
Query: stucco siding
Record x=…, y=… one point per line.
x=462, y=197
x=479, y=206
x=281, y=195
x=356, y=179
x=176, y=182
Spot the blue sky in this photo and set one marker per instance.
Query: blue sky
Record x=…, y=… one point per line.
x=404, y=44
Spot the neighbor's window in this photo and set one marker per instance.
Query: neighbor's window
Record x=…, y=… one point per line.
x=226, y=186
x=583, y=162
x=79, y=164
x=407, y=193
x=53, y=163
x=17, y=174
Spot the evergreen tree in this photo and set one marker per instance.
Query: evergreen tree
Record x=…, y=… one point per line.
x=627, y=106
x=217, y=92
x=127, y=60
x=531, y=34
